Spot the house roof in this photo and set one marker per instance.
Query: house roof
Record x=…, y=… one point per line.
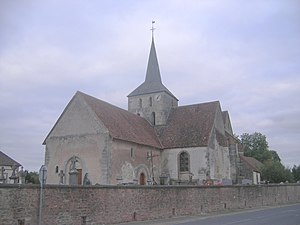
x=5, y=160
x=251, y=162
x=153, y=82
x=189, y=126
x=122, y=124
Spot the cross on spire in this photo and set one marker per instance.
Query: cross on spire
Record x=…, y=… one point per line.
x=152, y=29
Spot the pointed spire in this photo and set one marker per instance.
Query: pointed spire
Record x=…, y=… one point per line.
x=153, y=82
x=153, y=73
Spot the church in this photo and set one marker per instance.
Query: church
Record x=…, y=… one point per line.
x=155, y=141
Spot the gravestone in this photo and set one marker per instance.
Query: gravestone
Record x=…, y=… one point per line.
x=86, y=180
x=2, y=177
x=73, y=172
x=22, y=175
x=61, y=177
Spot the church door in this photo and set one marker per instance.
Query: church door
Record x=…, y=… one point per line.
x=79, y=177
x=142, y=179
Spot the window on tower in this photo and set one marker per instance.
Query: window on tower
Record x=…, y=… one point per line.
x=153, y=118
x=150, y=101
x=131, y=153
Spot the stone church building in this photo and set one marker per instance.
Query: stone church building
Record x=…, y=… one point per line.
x=155, y=141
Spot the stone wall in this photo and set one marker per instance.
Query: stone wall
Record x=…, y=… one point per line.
x=198, y=158
x=87, y=138
x=129, y=160
x=112, y=204
x=161, y=103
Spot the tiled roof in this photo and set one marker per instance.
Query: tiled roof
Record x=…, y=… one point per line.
x=122, y=124
x=189, y=126
x=251, y=162
x=7, y=161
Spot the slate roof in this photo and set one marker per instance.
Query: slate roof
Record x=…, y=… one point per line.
x=189, y=126
x=122, y=124
x=5, y=160
x=153, y=82
x=251, y=162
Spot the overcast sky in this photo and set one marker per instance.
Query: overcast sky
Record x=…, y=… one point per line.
x=246, y=54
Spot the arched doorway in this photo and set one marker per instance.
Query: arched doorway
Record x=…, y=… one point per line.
x=142, y=179
x=74, y=171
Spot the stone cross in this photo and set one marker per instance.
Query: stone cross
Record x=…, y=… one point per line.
x=14, y=176
x=22, y=175
x=152, y=29
x=61, y=177
x=2, y=178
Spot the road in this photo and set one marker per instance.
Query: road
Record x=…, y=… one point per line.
x=283, y=215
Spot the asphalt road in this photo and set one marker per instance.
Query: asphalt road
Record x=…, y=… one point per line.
x=283, y=215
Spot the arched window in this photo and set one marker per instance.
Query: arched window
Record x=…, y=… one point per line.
x=150, y=101
x=184, y=162
x=140, y=103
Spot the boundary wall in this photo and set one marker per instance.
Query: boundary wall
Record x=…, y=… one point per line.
x=93, y=205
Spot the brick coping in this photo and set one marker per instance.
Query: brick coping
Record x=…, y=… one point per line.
x=54, y=186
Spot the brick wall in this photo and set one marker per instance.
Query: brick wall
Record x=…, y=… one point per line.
x=112, y=204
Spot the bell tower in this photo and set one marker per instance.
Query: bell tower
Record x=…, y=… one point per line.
x=152, y=100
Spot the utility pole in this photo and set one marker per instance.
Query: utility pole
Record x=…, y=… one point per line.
x=42, y=178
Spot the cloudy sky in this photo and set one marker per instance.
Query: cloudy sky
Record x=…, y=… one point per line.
x=244, y=53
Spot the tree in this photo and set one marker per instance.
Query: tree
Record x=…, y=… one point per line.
x=275, y=156
x=296, y=172
x=255, y=145
x=275, y=172
x=31, y=177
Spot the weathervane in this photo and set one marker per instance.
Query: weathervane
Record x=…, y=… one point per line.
x=153, y=28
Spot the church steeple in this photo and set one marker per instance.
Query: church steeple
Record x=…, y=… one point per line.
x=152, y=100
x=153, y=73
x=153, y=82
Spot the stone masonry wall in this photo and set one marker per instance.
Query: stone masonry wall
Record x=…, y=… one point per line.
x=71, y=205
